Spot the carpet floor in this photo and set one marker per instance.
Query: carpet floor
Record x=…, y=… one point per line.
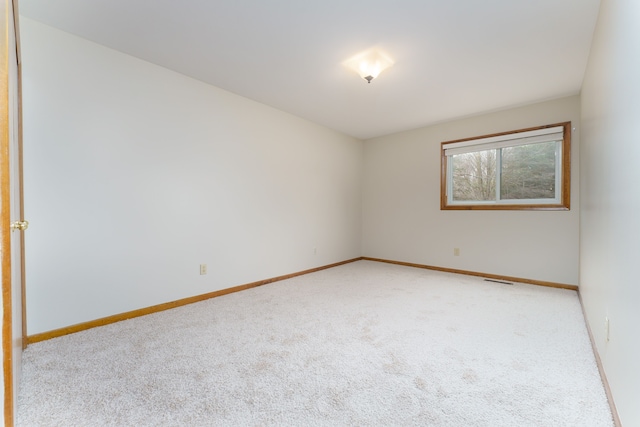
x=366, y=344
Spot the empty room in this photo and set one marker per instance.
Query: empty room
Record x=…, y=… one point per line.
x=320, y=213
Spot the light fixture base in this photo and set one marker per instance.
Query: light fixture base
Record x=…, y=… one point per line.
x=368, y=79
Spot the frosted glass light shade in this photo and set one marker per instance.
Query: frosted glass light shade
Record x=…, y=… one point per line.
x=369, y=64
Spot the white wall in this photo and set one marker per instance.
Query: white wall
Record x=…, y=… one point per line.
x=135, y=175
x=402, y=218
x=610, y=228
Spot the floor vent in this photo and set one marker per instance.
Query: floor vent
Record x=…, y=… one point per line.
x=498, y=281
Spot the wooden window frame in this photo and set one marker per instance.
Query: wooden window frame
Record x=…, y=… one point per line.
x=565, y=180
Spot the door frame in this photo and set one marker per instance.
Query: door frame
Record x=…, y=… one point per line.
x=9, y=15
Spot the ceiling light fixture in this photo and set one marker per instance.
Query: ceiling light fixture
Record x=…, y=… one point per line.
x=369, y=64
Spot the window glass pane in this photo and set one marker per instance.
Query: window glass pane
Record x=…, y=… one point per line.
x=529, y=172
x=474, y=176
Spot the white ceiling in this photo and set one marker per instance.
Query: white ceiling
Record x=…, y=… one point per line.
x=453, y=58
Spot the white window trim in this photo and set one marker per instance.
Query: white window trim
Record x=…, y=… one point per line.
x=501, y=141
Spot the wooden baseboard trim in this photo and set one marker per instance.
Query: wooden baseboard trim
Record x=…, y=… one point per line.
x=30, y=339
x=474, y=273
x=168, y=305
x=603, y=375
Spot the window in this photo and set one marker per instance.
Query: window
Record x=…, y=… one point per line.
x=523, y=169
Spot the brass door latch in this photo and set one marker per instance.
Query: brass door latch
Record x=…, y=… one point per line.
x=20, y=225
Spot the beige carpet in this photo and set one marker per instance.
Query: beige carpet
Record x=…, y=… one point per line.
x=364, y=344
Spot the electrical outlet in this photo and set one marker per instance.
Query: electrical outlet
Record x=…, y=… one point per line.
x=203, y=269
x=456, y=251
x=606, y=328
